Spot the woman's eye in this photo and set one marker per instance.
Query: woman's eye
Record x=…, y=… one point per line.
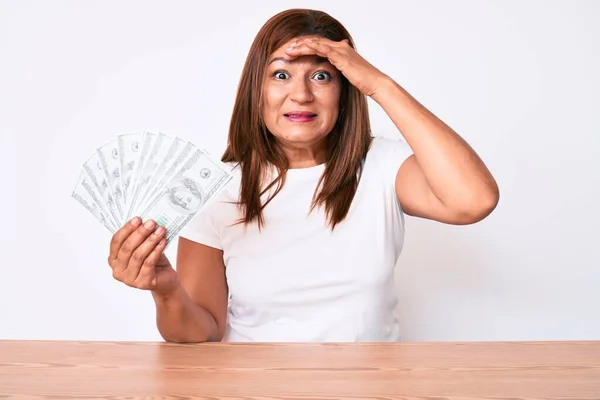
x=280, y=75
x=322, y=76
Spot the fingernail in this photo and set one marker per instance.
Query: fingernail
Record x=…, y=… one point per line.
x=135, y=221
x=159, y=231
x=149, y=224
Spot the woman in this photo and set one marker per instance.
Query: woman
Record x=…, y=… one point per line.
x=302, y=245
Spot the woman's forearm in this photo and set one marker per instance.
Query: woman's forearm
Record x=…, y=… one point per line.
x=455, y=173
x=181, y=320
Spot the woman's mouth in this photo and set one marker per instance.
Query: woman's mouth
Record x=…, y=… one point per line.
x=300, y=116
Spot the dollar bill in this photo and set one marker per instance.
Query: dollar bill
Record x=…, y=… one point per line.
x=128, y=145
x=160, y=148
x=85, y=195
x=94, y=170
x=187, y=192
x=178, y=156
x=108, y=154
x=137, y=173
x=151, y=175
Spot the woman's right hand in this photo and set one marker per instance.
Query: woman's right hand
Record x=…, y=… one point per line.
x=137, y=259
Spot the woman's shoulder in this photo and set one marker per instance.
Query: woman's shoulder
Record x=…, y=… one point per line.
x=388, y=152
x=383, y=144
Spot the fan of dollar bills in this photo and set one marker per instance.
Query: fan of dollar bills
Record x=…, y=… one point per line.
x=150, y=175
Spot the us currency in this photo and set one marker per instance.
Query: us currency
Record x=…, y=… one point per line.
x=108, y=155
x=99, y=181
x=128, y=145
x=136, y=175
x=85, y=195
x=160, y=147
x=192, y=187
x=169, y=161
x=166, y=175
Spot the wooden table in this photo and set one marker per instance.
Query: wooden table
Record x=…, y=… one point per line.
x=425, y=371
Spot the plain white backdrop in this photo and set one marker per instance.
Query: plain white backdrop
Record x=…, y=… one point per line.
x=517, y=79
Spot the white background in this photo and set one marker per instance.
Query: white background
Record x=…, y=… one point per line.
x=518, y=80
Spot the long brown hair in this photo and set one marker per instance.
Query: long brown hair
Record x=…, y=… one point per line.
x=252, y=146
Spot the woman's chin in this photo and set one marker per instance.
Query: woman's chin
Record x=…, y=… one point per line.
x=301, y=139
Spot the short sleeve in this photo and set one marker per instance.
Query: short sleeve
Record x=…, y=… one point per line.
x=389, y=154
x=202, y=229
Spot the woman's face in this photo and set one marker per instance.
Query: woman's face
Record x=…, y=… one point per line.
x=300, y=99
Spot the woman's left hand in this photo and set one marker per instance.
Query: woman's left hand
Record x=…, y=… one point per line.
x=341, y=55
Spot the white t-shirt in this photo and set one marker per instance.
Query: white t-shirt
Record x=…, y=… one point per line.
x=296, y=280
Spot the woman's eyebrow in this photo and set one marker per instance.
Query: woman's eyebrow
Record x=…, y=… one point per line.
x=315, y=61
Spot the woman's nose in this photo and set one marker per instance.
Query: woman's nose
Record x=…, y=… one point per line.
x=301, y=91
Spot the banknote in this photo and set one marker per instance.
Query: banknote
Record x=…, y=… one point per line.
x=152, y=175
x=137, y=173
x=166, y=161
x=108, y=154
x=94, y=170
x=148, y=162
x=170, y=169
x=128, y=145
x=200, y=178
x=85, y=195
